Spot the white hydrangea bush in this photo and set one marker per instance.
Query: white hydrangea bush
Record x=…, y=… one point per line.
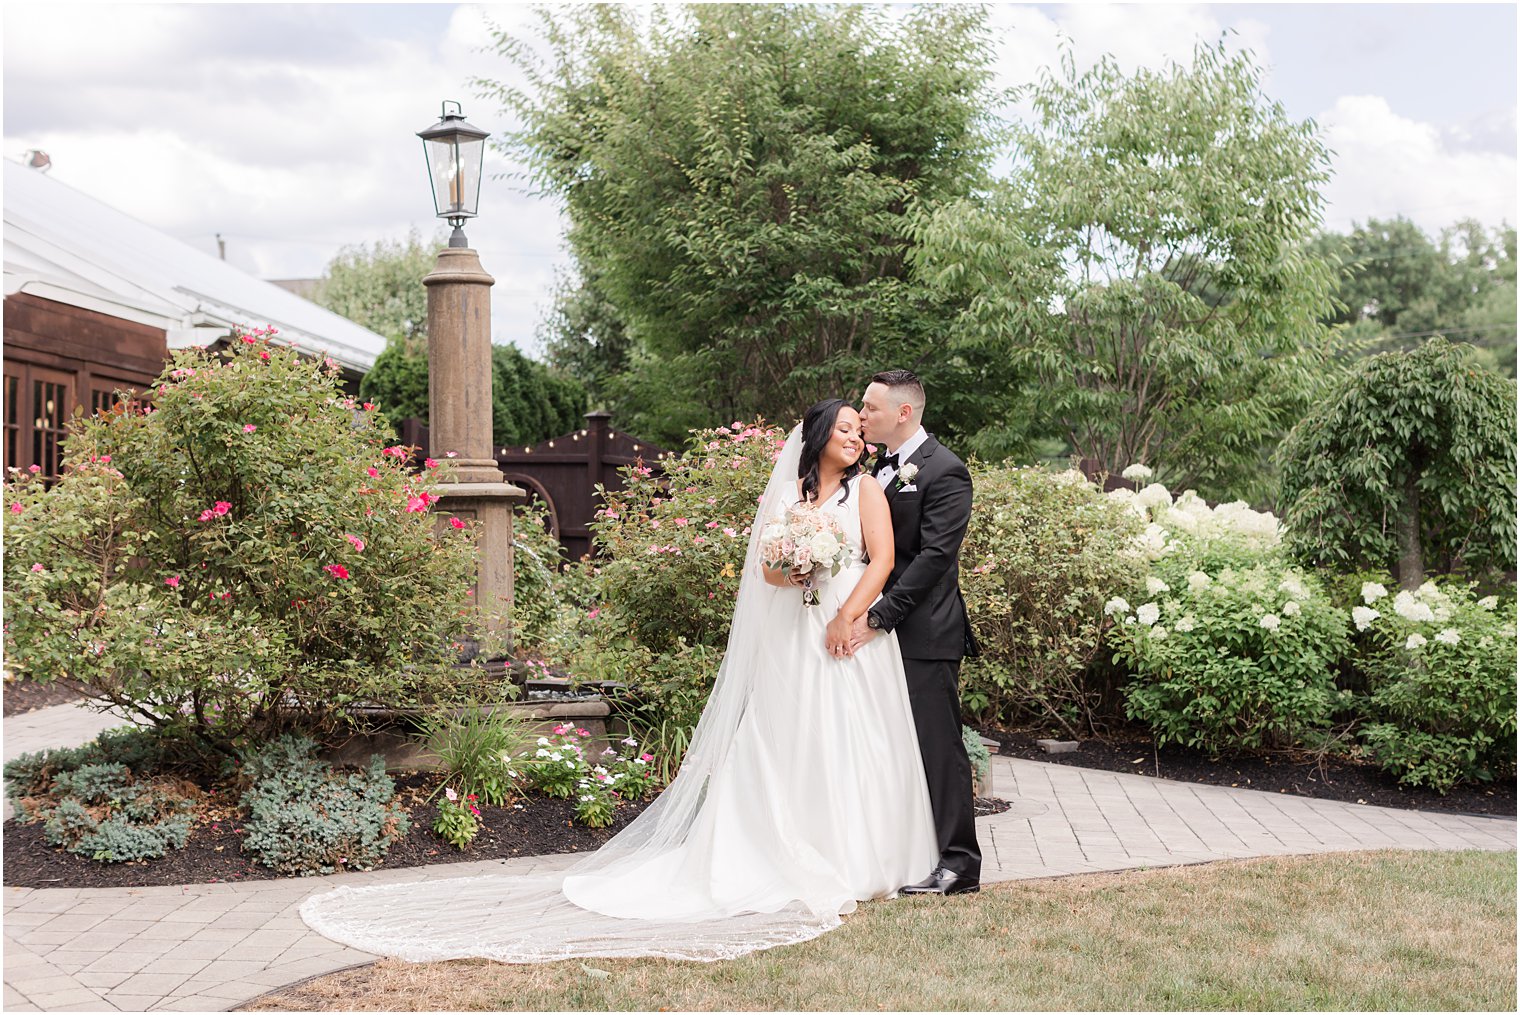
x=1439, y=662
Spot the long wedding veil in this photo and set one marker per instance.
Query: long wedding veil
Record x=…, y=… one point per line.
x=528, y=918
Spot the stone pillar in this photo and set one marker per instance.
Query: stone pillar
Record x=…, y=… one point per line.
x=459, y=420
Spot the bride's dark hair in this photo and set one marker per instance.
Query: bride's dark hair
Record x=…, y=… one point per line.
x=817, y=431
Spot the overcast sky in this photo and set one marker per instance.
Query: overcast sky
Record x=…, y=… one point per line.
x=289, y=129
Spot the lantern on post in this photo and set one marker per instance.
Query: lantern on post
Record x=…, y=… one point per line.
x=459, y=372
x=455, y=151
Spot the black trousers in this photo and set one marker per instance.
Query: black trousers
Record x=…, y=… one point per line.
x=937, y=714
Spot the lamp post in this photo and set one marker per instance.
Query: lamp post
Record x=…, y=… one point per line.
x=459, y=371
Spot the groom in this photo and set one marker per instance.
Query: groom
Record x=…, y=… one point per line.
x=929, y=493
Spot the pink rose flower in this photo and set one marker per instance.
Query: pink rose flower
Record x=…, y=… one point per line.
x=456, y=523
x=356, y=542
x=249, y=428
x=373, y=472
x=173, y=583
x=336, y=570
x=431, y=463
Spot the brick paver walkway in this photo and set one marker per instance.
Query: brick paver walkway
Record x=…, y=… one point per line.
x=210, y=947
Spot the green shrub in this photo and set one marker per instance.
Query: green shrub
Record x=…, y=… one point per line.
x=1042, y=553
x=560, y=766
x=304, y=818
x=1232, y=648
x=653, y=608
x=976, y=753
x=245, y=556
x=101, y=808
x=540, y=587
x=1440, y=669
x=1409, y=461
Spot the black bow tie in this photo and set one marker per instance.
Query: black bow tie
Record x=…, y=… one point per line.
x=884, y=462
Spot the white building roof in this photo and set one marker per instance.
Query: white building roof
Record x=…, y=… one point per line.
x=63, y=245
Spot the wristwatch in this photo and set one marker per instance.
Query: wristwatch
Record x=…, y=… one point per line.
x=873, y=621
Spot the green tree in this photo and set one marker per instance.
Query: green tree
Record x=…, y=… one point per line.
x=380, y=287
x=1410, y=460
x=738, y=181
x=1400, y=286
x=1148, y=262
x=585, y=337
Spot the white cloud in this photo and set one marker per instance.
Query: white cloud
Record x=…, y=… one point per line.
x=1386, y=165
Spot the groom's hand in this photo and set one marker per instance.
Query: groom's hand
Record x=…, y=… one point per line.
x=861, y=633
x=838, y=636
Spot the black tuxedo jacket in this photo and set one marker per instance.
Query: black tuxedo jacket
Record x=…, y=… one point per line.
x=922, y=599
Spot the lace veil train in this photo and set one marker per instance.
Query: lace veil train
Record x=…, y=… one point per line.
x=528, y=918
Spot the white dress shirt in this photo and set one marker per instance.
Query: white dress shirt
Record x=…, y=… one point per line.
x=908, y=447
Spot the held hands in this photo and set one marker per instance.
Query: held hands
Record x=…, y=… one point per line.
x=845, y=637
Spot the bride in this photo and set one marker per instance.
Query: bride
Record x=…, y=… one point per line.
x=802, y=793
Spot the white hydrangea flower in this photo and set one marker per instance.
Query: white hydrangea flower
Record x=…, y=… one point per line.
x=1363, y=616
x=1410, y=608
x=1115, y=605
x=1489, y=602
x=1135, y=473
x=1155, y=586
x=1122, y=495
x=1290, y=608
x=1198, y=581
x=1148, y=614
x=1070, y=477
x=1442, y=613
x=1186, y=623
x=1158, y=632
x=1293, y=587
x=1415, y=641
x=1372, y=591
x=1271, y=621
x=1449, y=636
x=1154, y=496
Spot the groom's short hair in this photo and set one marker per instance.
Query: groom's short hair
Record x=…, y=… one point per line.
x=905, y=387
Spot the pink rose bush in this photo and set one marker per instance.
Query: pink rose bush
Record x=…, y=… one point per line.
x=241, y=557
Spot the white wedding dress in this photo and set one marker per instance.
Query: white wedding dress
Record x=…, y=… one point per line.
x=802, y=793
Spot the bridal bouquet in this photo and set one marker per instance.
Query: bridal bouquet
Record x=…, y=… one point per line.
x=805, y=541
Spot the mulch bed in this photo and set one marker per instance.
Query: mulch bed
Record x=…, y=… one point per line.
x=534, y=825
x=1346, y=780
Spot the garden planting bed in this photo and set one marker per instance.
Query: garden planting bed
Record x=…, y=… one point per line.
x=530, y=826
x=1347, y=780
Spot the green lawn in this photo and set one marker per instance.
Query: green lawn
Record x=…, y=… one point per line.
x=1353, y=931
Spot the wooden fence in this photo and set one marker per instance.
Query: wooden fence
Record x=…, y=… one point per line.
x=563, y=472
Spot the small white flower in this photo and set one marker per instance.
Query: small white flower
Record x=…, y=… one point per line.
x=1363, y=616
x=543, y=741
x=1198, y=581
x=1186, y=623
x=540, y=753
x=1115, y=605
x=1415, y=641
x=1158, y=632
x=1449, y=636
x=908, y=473
x=1489, y=602
x=1135, y=473
x=1155, y=586
x=570, y=765
x=630, y=742
x=1291, y=608
x=1271, y=621
x=1148, y=614
x=511, y=774
x=449, y=792
x=1372, y=591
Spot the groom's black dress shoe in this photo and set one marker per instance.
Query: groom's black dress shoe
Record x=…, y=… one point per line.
x=943, y=881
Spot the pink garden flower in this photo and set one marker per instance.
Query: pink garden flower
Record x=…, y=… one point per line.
x=38, y=567
x=369, y=406
x=173, y=583
x=395, y=451
x=264, y=355
x=431, y=463
x=336, y=570
x=456, y=523
x=355, y=541
x=373, y=472
x=249, y=428
x=34, y=469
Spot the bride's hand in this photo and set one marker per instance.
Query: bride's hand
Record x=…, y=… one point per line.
x=837, y=637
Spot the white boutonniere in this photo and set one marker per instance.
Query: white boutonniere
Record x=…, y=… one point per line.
x=907, y=474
